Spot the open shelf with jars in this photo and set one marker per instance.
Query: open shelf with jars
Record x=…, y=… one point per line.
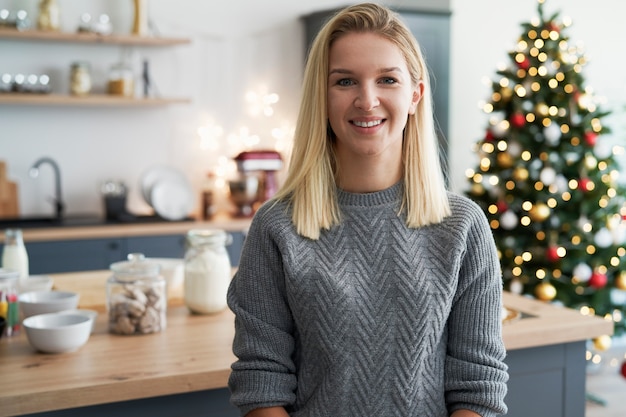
x=12, y=34
x=113, y=39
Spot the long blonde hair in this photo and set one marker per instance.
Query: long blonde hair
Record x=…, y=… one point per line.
x=310, y=183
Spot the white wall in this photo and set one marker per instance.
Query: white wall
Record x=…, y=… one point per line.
x=240, y=45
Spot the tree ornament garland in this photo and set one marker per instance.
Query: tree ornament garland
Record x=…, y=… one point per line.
x=548, y=179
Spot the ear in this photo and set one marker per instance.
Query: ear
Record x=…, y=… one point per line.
x=418, y=92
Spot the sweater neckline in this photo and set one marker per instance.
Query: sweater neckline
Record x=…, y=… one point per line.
x=392, y=194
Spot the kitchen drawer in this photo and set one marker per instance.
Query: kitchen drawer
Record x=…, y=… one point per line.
x=73, y=255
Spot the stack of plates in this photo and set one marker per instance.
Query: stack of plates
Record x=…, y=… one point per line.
x=168, y=191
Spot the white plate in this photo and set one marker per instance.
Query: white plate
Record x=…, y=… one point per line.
x=172, y=199
x=155, y=175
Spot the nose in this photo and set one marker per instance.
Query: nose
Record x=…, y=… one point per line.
x=367, y=99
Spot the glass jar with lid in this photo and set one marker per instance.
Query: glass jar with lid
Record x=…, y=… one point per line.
x=207, y=270
x=80, y=78
x=9, y=310
x=121, y=80
x=136, y=297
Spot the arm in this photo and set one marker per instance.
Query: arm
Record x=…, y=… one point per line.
x=476, y=374
x=271, y=412
x=264, y=373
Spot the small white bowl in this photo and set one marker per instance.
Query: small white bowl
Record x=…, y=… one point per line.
x=57, y=333
x=43, y=302
x=92, y=314
x=173, y=271
x=36, y=283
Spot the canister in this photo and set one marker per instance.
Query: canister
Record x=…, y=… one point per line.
x=207, y=270
x=136, y=297
x=80, y=79
x=9, y=310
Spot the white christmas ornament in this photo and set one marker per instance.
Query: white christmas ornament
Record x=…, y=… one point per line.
x=508, y=220
x=514, y=149
x=603, y=238
x=561, y=183
x=516, y=287
x=552, y=133
x=582, y=272
x=603, y=149
x=547, y=175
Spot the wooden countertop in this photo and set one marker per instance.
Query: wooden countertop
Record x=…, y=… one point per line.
x=192, y=354
x=130, y=229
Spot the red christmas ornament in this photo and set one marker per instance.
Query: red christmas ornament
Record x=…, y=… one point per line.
x=517, y=120
x=598, y=280
x=489, y=136
x=552, y=254
x=503, y=206
x=623, y=370
x=585, y=184
x=590, y=138
x=525, y=64
x=553, y=27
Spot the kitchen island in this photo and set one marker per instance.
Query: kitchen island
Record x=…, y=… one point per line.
x=184, y=369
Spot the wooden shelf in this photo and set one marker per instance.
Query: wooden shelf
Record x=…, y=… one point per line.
x=90, y=100
x=113, y=39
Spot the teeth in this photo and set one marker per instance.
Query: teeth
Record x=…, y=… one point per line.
x=368, y=124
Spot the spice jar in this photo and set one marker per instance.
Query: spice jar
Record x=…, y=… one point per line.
x=121, y=80
x=136, y=297
x=49, y=15
x=207, y=270
x=80, y=79
x=8, y=302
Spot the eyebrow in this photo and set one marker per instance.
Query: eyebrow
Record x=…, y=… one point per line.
x=381, y=71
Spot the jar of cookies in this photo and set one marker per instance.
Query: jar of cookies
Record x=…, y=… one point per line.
x=136, y=297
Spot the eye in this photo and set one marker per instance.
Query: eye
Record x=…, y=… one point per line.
x=345, y=82
x=388, y=80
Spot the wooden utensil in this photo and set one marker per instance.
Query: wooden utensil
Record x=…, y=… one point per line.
x=9, y=205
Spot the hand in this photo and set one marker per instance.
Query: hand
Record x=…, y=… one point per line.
x=464, y=413
x=269, y=412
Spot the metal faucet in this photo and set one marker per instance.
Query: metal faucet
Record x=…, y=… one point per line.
x=59, y=206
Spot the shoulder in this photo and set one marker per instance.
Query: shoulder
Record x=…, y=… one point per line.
x=272, y=215
x=463, y=207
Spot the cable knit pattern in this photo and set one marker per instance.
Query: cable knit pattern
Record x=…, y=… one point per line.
x=373, y=319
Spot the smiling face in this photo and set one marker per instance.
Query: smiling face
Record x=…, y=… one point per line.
x=370, y=96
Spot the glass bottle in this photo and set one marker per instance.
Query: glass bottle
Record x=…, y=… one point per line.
x=136, y=297
x=14, y=255
x=9, y=309
x=80, y=79
x=207, y=270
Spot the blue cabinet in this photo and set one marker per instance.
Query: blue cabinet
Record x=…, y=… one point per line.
x=57, y=256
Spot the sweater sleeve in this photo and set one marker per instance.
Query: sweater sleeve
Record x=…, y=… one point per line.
x=264, y=373
x=476, y=375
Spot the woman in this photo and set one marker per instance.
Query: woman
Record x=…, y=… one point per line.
x=364, y=287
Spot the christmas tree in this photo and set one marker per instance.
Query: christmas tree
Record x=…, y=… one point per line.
x=547, y=178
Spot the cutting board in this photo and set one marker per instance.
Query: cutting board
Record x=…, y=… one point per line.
x=9, y=206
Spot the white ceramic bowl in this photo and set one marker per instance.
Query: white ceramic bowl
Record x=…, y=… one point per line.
x=57, y=333
x=42, y=302
x=91, y=314
x=36, y=283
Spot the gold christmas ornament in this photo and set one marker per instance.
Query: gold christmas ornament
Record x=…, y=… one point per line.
x=620, y=281
x=539, y=212
x=520, y=174
x=545, y=291
x=602, y=342
x=505, y=160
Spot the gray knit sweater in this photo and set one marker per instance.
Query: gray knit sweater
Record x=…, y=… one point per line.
x=373, y=319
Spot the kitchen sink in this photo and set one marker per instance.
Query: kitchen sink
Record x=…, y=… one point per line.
x=76, y=221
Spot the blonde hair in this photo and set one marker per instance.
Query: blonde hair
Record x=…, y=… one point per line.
x=310, y=184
